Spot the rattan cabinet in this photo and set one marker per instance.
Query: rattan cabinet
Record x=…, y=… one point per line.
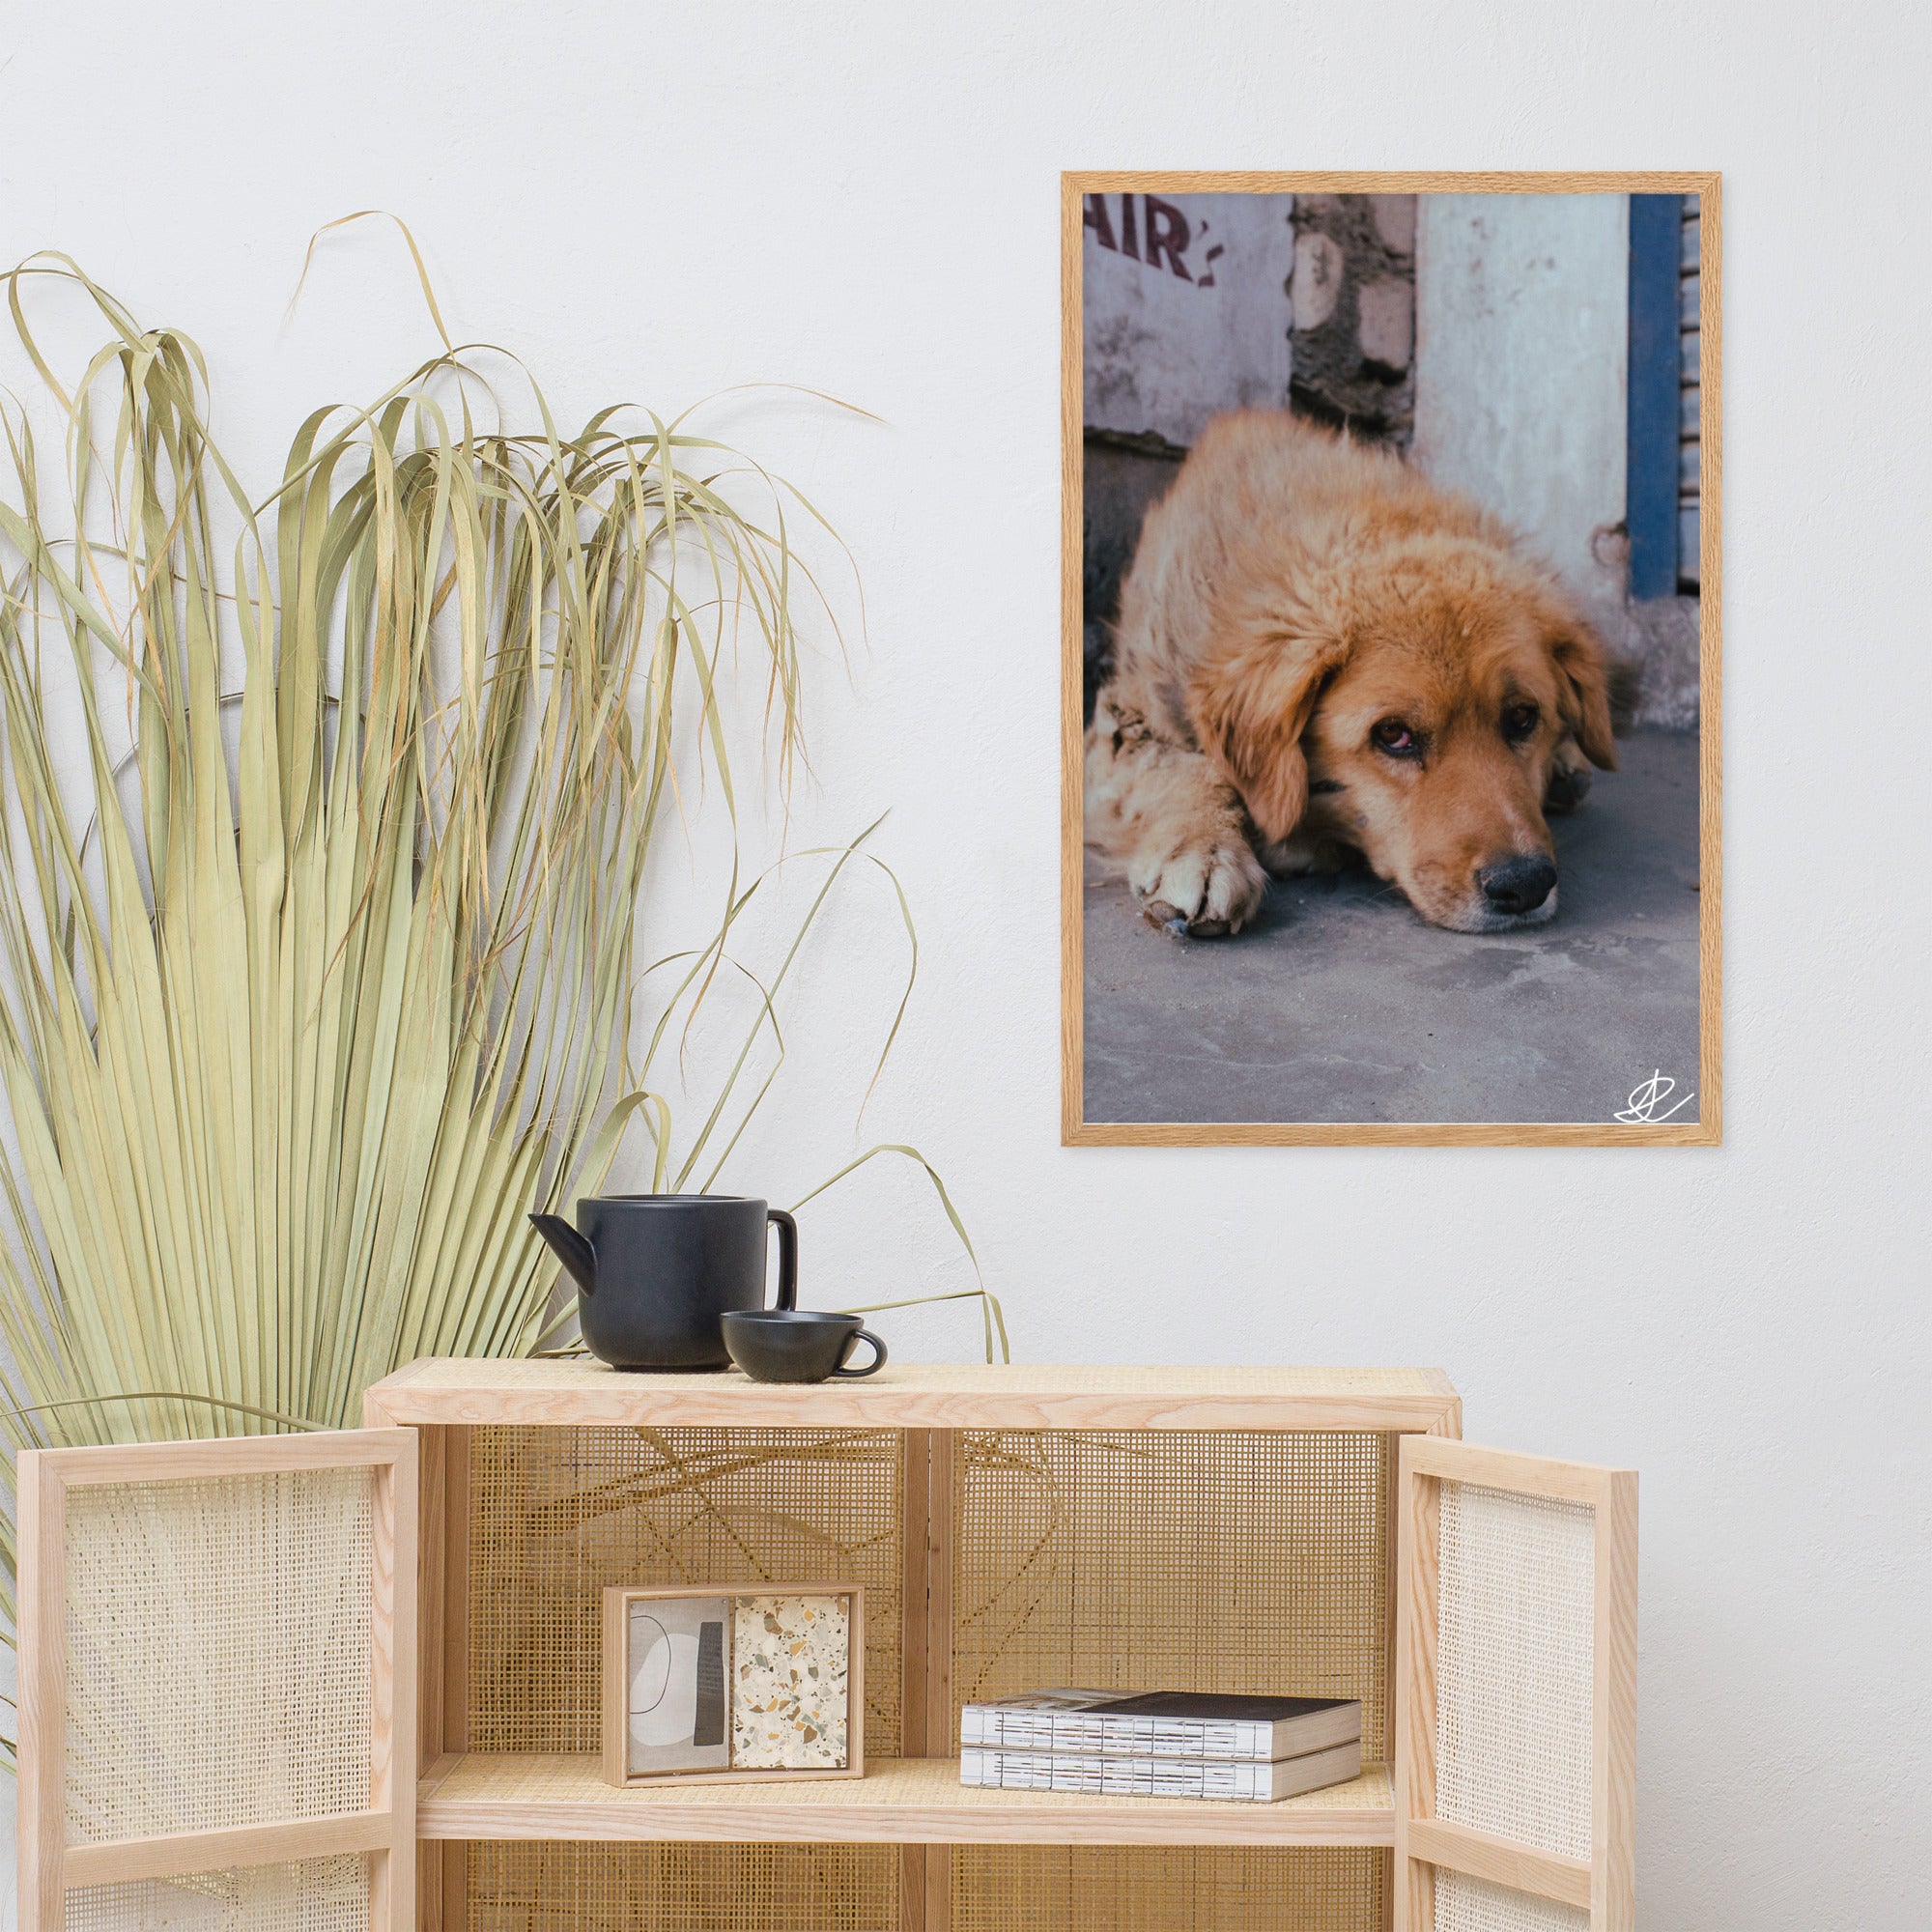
x=1320, y=1530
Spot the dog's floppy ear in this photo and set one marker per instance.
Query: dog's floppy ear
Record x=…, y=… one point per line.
x=1584, y=690
x=1249, y=702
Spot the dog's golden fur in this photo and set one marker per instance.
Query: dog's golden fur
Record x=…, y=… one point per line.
x=1321, y=655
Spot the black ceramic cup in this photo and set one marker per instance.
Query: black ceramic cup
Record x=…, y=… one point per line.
x=790, y=1345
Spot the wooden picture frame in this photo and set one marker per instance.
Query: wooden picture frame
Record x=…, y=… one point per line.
x=615, y=1721
x=53, y=1863
x=1598, y=1880
x=1647, y=1126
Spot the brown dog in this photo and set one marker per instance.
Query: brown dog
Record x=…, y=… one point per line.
x=1321, y=655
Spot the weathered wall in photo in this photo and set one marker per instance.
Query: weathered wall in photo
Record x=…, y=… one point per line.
x=1354, y=314
x=1193, y=305
x=1522, y=334
x=1184, y=313
x=1185, y=303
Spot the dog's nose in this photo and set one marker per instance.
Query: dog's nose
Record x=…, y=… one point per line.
x=1519, y=884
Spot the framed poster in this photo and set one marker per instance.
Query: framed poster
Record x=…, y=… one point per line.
x=1390, y=658
x=752, y=1684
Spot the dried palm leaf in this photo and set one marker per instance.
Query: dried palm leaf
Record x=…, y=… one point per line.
x=320, y=973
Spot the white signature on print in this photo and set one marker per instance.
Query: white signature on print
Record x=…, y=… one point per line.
x=1645, y=1106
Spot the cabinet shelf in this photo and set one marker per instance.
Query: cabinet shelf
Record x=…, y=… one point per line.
x=899, y=1802
x=583, y=1393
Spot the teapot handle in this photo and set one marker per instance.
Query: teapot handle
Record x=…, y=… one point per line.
x=787, y=1257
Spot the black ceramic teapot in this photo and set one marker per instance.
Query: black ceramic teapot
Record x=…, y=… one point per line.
x=655, y=1273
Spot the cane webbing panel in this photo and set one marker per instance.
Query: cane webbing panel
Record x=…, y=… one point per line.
x=558, y=1514
x=1121, y=1889
x=1513, y=1666
x=217, y=1653
x=537, y=1886
x=1249, y=1561
x=313, y=1895
x=1465, y=1904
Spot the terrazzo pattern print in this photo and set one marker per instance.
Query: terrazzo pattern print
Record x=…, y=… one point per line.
x=790, y=1658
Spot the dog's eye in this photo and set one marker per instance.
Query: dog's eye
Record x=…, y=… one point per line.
x=1393, y=736
x=1519, y=721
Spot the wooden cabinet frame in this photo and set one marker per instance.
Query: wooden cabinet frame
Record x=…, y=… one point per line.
x=418, y=1444
x=914, y=1801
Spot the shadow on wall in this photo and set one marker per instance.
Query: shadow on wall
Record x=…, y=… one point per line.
x=1121, y=483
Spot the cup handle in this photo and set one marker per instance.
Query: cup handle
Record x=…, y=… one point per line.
x=787, y=1257
x=873, y=1367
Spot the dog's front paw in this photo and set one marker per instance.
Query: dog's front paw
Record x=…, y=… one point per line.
x=1570, y=778
x=1201, y=893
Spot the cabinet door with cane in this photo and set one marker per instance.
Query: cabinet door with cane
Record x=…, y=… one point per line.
x=217, y=1694
x=1515, y=1692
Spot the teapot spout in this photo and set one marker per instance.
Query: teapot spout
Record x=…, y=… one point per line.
x=570, y=1248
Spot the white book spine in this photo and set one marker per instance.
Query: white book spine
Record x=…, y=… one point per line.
x=1116, y=1777
x=1011, y=1728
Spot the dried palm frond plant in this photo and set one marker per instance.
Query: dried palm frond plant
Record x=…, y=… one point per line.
x=320, y=958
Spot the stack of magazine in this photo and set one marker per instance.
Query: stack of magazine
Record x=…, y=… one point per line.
x=1164, y=1744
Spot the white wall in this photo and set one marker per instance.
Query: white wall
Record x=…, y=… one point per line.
x=1521, y=368
x=656, y=202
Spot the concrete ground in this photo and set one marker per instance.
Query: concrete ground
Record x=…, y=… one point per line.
x=1341, y=1005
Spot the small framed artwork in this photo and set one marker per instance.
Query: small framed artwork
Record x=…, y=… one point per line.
x=1390, y=683
x=750, y=1685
